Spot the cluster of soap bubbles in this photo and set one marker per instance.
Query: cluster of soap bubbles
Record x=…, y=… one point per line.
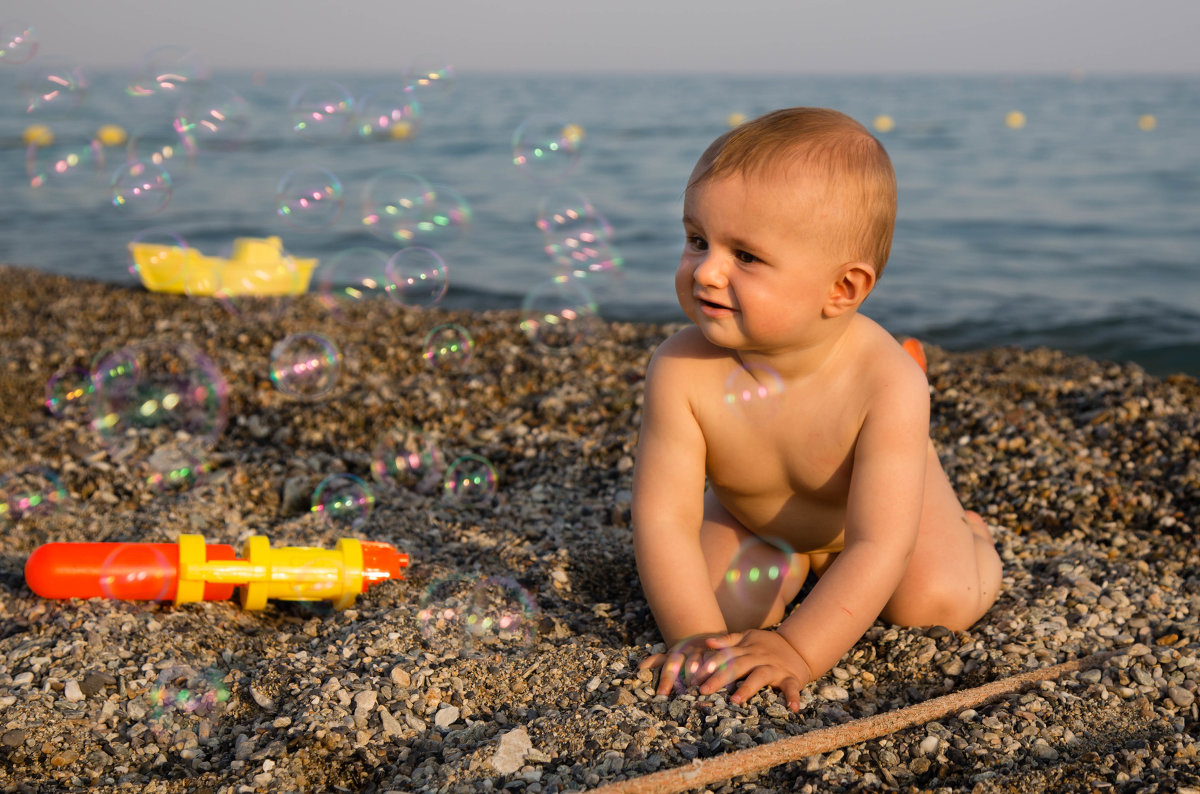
x=343, y=500
x=30, y=491
x=407, y=458
x=560, y=312
x=478, y=615
x=181, y=697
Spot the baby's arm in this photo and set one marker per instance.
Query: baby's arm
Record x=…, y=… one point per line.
x=668, y=502
x=883, y=514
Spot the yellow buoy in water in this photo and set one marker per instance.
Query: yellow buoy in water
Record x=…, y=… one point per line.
x=1015, y=120
x=111, y=135
x=573, y=133
x=400, y=131
x=37, y=135
x=884, y=123
x=735, y=120
x=1147, y=122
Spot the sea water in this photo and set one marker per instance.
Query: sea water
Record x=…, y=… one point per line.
x=1034, y=210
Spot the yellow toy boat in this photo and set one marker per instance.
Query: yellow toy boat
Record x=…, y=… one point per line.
x=257, y=266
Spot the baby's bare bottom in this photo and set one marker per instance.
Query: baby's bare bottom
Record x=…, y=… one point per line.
x=952, y=579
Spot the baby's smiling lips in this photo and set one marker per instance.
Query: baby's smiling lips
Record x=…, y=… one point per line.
x=709, y=306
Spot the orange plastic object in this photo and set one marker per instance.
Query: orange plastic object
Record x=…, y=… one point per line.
x=917, y=351
x=191, y=570
x=124, y=571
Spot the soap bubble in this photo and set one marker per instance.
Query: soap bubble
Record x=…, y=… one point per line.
x=387, y=113
x=166, y=71
x=559, y=314
x=405, y=457
x=474, y=616
x=155, y=143
x=52, y=88
x=141, y=188
x=305, y=365
x=446, y=218
x=182, y=698
x=546, y=148
x=752, y=391
x=69, y=393
x=427, y=80
x=351, y=277
x=416, y=276
x=66, y=164
x=471, y=480
x=138, y=572
x=159, y=407
x=321, y=112
x=448, y=345
x=30, y=491
x=212, y=118
x=578, y=236
x=759, y=570
x=343, y=500
x=697, y=667
x=18, y=42
x=395, y=204
x=308, y=198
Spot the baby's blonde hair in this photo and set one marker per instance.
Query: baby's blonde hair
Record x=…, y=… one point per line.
x=827, y=144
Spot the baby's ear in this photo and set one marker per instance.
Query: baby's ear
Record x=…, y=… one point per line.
x=851, y=286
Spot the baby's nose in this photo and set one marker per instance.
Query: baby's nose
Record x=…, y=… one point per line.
x=711, y=272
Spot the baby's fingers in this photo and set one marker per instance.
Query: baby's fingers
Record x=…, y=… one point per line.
x=652, y=661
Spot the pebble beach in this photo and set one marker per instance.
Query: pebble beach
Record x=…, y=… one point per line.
x=1088, y=471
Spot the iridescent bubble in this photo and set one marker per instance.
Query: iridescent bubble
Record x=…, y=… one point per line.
x=52, y=88
x=760, y=569
x=162, y=260
x=405, y=457
x=212, y=118
x=448, y=345
x=321, y=112
x=182, y=698
x=559, y=314
x=546, y=148
x=416, y=276
x=698, y=667
x=471, y=480
x=442, y=613
x=578, y=236
x=137, y=572
x=69, y=393
x=502, y=616
x=387, y=113
x=155, y=143
x=18, y=42
x=753, y=391
x=166, y=72
x=30, y=491
x=65, y=164
x=352, y=277
x=427, y=80
x=159, y=407
x=141, y=188
x=395, y=204
x=343, y=500
x=305, y=365
x=308, y=198
x=447, y=218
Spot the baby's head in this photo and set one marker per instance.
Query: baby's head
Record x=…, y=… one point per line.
x=851, y=168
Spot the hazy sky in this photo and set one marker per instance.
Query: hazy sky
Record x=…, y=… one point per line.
x=955, y=36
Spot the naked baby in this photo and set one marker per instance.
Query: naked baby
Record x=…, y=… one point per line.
x=784, y=433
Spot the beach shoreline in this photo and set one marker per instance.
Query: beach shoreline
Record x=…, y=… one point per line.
x=1087, y=469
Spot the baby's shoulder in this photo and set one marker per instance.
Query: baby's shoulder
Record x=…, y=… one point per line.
x=881, y=365
x=689, y=345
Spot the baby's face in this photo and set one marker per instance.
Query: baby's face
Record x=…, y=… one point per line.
x=757, y=263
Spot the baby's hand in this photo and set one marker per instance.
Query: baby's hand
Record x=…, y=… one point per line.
x=759, y=659
x=683, y=663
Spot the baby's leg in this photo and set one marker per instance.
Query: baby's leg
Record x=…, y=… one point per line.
x=754, y=580
x=954, y=574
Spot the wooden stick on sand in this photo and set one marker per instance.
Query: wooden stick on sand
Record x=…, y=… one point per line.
x=755, y=759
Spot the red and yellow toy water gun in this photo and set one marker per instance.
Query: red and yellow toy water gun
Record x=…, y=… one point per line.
x=192, y=570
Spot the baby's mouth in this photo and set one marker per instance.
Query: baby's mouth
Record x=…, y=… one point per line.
x=713, y=304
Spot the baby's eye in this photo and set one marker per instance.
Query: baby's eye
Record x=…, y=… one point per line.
x=697, y=243
x=745, y=257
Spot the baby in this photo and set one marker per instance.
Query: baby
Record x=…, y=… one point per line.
x=783, y=432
